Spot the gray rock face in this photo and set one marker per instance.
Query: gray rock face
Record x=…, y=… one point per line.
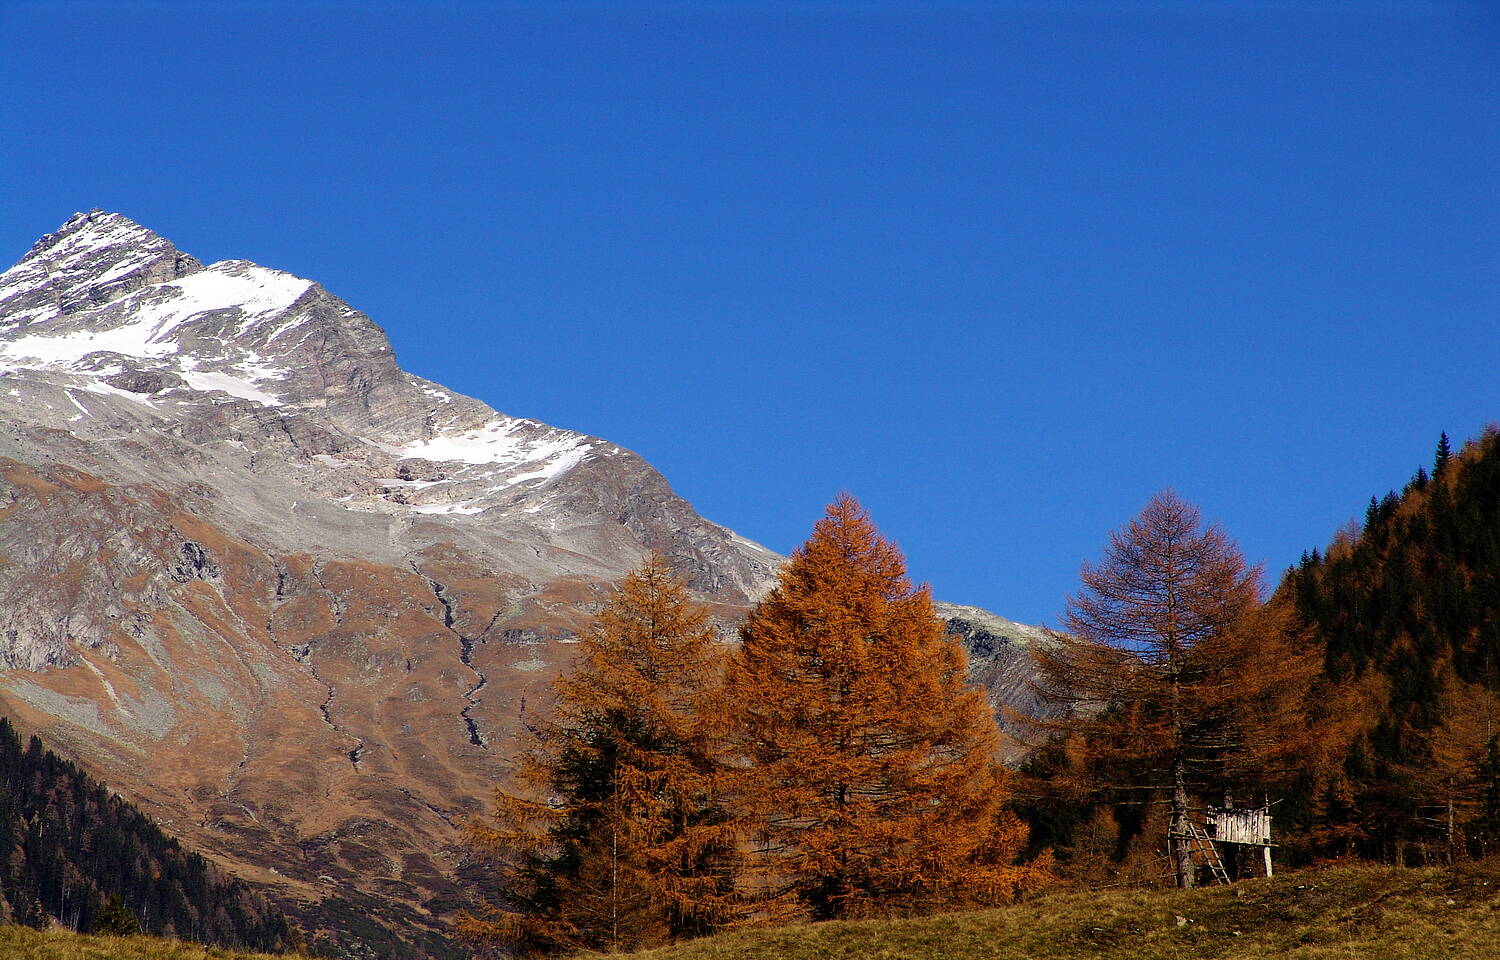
x=289, y=404
x=1000, y=661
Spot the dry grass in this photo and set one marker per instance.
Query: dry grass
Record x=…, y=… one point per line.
x=24, y=943
x=1343, y=913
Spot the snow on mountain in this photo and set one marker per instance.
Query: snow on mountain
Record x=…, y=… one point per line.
x=111, y=322
x=145, y=325
x=100, y=252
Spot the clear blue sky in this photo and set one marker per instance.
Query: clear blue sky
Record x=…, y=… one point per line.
x=1001, y=270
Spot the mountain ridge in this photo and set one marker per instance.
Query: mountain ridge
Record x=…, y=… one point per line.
x=302, y=363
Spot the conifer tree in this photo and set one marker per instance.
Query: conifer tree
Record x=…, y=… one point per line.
x=612, y=838
x=1177, y=682
x=1410, y=619
x=864, y=765
x=1454, y=777
x=115, y=920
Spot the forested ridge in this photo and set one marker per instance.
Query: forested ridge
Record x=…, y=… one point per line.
x=73, y=853
x=1407, y=614
x=1390, y=749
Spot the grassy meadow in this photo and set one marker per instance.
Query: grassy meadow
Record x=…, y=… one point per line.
x=1340, y=913
x=24, y=943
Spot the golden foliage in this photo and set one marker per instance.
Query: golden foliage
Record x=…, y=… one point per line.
x=1455, y=786
x=1171, y=667
x=613, y=838
x=862, y=763
x=1177, y=683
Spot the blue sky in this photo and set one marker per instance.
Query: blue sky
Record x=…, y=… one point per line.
x=1000, y=270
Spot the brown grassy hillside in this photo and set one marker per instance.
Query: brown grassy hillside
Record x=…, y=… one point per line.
x=24, y=943
x=1365, y=912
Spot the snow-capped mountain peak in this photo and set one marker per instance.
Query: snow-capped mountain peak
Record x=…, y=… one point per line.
x=278, y=589
x=286, y=595
x=91, y=259
x=127, y=327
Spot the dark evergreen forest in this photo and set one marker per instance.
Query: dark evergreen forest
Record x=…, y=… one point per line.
x=1407, y=612
x=69, y=848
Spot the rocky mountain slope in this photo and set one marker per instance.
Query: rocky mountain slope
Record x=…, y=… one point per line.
x=1000, y=661
x=285, y=596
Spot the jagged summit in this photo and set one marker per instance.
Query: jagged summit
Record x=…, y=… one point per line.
x=92, y=259
x=104, y=297
x=96, y=230
x=106, y=307
x=105, y=324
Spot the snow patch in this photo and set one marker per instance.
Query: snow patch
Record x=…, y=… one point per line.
x=106, y=390
x=406, y=484
x=132, y=339
x=234, y=386
x=497, y=442
x=558, y=465
x=254, y=289
x=465, y=508
x=759, y=548
x=156, y=311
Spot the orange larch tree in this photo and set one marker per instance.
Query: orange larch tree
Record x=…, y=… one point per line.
x=1456, y=783
x=864, y=765
x=612, y=837
x=1177, y=682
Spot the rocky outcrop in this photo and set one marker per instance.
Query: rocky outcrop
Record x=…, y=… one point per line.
x=1000, y=661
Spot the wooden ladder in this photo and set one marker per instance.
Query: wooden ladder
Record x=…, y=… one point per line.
x=1198, y=838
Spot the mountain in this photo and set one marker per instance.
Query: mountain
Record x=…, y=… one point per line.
x=1000, y=661
x=288, y=598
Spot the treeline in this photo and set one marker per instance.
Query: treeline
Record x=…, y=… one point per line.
x=1407, y=613
x=1363, y=696
x=74, y=854
x=836, y=764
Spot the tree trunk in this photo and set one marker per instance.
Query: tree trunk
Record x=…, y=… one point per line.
x=1177, y=831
